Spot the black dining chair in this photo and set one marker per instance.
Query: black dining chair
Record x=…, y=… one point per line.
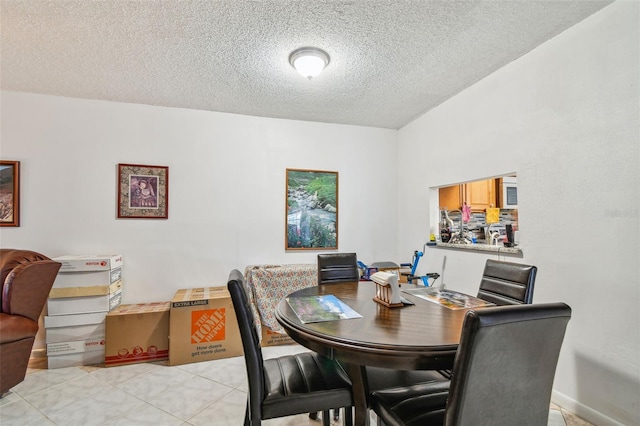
x=343, y=267
x=507, y=283
x=502, y=375
x=337, y=268
x=288, y=385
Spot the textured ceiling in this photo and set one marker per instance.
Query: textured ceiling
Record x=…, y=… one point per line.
x=391, y=61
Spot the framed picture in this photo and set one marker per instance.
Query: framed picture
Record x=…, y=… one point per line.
x=143, y=191
x=311, y=210
x=9, y=193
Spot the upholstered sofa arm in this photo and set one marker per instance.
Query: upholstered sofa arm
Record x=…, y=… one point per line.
x=27, y=287
x=10, y=258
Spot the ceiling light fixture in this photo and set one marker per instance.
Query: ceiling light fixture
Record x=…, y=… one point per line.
x=309, y=61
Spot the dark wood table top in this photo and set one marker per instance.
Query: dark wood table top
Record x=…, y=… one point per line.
x=422, y=336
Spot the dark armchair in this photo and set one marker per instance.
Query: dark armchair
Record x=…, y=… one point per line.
x=26, y=278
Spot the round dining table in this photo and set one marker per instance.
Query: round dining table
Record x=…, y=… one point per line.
x=422, y=336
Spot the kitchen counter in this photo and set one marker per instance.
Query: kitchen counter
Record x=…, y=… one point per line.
x=479, y=247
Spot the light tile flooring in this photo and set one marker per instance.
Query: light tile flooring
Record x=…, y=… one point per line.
x=205, y=393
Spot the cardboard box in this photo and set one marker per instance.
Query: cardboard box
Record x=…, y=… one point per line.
x=403, y=275
x=91, y=262
x=74, y=360
x=272, y=338
x=77, y=346
x=64, y=328
x=137, y=333
x=87, y=278
x=84, y=291
x=86, y=304
x=202, y=326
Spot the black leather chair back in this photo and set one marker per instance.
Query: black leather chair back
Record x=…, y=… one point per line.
x=250, y=342
x=505, y=365
x=507, y=283
x=502, y=374
x=337, y=268
x=291, y=384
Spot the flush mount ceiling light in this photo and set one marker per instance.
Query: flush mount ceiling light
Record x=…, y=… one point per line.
x=309, y=61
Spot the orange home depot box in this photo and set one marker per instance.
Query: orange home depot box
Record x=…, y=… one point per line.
x=137, y=333
x=202, y=326
x=272, y=338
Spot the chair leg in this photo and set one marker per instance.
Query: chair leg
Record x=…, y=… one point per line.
x=336, y=414
x=348, y=416
x=326, y=418
x=247, y=421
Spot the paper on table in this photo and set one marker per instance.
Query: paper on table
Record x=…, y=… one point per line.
x=447, y=298
x=321, y=308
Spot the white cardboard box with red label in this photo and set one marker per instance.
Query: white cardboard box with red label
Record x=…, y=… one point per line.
x=83, y=300
x=89, y=262
x=137, y=333
x=76, y=359
x=68, y=279
x=202, y=326
x=75, y=353
x=66, y=328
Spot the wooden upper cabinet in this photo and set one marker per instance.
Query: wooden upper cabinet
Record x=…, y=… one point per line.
x=451, y=197
x=478, y=195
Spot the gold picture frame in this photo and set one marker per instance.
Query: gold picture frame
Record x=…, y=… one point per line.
x=143, y=191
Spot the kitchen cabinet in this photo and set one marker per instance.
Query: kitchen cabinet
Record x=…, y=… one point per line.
x=479, y=195
x=451, y=197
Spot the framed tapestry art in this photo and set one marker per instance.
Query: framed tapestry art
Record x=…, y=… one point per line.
x=311, y=210
x=143, y=191
x=9, y=193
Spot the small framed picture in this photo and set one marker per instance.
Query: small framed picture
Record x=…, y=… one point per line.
x=9, y=193
x=143, y=191
x=311, y=210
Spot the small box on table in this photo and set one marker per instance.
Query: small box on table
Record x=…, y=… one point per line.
x=137, y=333
x=202, y=326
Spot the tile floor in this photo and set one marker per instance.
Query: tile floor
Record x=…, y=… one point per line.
x=205, y=393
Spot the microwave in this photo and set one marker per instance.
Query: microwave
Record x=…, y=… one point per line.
x=509, y=192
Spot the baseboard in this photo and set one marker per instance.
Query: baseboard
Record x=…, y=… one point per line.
x=582, y=411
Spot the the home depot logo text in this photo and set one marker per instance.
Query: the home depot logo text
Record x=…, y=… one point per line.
x=207, y=326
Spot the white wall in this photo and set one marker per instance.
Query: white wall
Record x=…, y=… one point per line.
x=226, y=187
x=565, y=118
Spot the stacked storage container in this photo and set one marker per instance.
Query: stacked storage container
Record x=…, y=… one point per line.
x=86, y=289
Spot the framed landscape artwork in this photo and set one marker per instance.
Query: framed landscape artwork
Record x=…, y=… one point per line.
x=9, y=193
x=143, y=191
x=311, y=210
